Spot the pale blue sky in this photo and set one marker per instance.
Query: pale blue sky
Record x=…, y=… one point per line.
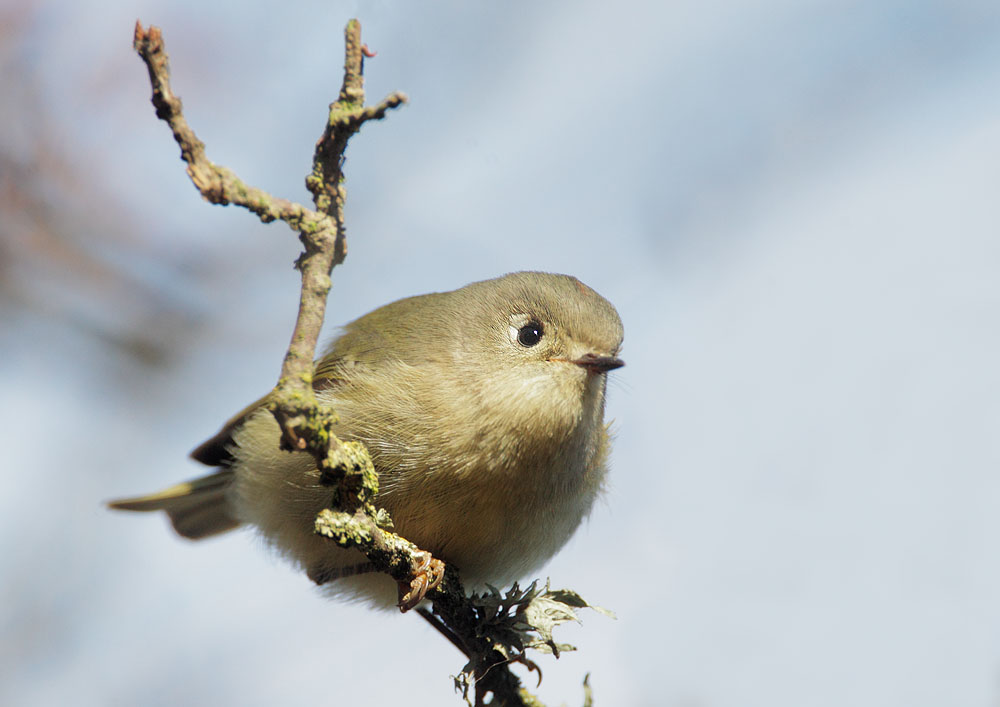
x=793, y=206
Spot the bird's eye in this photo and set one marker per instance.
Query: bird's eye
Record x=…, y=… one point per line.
x=530, y=334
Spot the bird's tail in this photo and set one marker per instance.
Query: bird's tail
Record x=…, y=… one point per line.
x=197, y=508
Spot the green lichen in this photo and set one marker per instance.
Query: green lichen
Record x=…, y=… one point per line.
x=343, y=529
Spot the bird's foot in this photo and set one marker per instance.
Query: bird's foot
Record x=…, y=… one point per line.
x=425, y=577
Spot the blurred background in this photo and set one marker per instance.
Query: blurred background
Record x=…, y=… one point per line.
x=794, y=206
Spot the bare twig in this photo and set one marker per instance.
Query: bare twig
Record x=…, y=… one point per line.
x=217, y=184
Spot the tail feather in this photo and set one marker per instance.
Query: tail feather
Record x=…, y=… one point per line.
x=197, y=509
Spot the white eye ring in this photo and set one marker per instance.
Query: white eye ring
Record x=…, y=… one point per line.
x=526, y=331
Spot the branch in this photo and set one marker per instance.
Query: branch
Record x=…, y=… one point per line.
x=491, y=629
x=321, y=231
x=217, y=184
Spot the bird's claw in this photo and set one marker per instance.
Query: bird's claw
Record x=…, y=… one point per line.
x=425, y=577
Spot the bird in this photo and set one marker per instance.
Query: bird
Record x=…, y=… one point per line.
x=483, y=411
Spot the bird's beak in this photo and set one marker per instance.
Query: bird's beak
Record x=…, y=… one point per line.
x=598, y=364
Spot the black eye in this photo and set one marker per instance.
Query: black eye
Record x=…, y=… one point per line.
x=530, y=334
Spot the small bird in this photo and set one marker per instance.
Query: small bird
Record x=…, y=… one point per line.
x=483, y=411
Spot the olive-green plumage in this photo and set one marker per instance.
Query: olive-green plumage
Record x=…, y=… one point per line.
x=482, y=409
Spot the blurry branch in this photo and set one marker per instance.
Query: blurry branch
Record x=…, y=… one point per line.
x=492, y=630
x=63, y=236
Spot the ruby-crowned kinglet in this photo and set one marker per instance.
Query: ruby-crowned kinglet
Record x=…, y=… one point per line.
x=483, y=411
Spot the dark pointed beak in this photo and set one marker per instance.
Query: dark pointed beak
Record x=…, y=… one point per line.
x=598, y=364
